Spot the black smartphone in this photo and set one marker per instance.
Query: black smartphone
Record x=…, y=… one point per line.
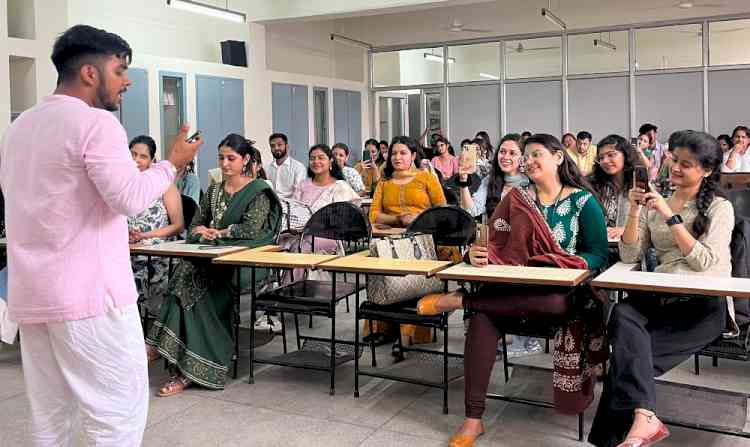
x=634, y=141
x=366, y=155
x=640, y=178
x=194, y=136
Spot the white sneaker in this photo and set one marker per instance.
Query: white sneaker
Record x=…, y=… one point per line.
x=270, y=323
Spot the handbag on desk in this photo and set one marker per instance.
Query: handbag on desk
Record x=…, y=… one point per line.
x=384, y=290
x=295, y=215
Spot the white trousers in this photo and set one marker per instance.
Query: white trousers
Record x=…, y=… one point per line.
x=93, y=371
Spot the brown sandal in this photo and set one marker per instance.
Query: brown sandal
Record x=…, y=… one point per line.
x=175, y=385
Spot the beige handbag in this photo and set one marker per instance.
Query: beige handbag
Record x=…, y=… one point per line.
x=393, y=289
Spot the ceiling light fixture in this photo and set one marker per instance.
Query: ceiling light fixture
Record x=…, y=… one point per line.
x=350, y=41
x=685, y=5
x=438, y=58
x=489, y=76
x=605, y=44
x=209, y=10
x=547, y=14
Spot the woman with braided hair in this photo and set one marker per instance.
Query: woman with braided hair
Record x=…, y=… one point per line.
x=649, y=334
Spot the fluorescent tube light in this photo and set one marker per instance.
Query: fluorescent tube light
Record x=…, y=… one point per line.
x=547, y=14
x=213, y=11
x=489, y=76
x=438, y=58
x=605, y=44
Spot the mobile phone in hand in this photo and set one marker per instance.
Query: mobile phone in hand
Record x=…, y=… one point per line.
x=193, y=137
x=640, y=178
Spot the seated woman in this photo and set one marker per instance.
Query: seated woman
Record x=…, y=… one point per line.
x=505, y=173
x=194, y=329
x=404, y=192
x=612, y=179
x=160, y=222
x=564, y=204
x=646, y=155
x=324, y=185
x=370, y=170
x=352, y=177
x=648, y=334
x=444, y=160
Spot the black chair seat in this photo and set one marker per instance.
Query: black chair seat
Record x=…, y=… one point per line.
x=305, y=296
x=730, y=348
x=403, y=313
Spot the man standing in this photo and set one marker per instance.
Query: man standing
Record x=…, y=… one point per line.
x=284, y=172
x=583, y=154
x=71, y=289
x=658, y=150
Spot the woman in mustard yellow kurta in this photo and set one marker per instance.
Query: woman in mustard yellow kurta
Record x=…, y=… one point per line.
x=400, y=196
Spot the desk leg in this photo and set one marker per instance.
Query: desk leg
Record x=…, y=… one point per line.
x=251, y=380
x=356, y=335
x=236, y=318
x=333, y=333
x=445, y=362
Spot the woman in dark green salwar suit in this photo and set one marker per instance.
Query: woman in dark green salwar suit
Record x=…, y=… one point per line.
x=194, y=330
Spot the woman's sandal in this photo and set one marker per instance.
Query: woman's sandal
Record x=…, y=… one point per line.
x=152, y=353
x=175, y=385
x=428, y=304
x=660, y=434
x=463, y=440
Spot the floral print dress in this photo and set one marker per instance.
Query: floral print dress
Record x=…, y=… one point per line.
x=151, y=292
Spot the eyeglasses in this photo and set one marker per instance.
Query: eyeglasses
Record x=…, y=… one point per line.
x=319, y=157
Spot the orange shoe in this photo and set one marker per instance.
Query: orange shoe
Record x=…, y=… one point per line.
x=660, y=434
x=428, y=305
x=463, y=440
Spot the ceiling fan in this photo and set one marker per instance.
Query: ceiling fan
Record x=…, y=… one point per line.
x=458, y=27
x=520, y=48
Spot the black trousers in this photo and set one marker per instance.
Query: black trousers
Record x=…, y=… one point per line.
x=648, y=336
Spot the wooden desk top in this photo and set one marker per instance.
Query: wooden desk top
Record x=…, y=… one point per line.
x=380, y=232
x=4, y=242
x=180, y=249
x=282, y=259
x=382, y=266
x=512, y=274
x=621, y=276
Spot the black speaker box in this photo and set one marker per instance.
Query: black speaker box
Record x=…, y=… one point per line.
x=233, y=53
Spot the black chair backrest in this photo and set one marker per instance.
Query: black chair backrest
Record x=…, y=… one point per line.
x=449, y=226
x=340, y=221
x=451, y=196
x=740, y=199
x=189, y=209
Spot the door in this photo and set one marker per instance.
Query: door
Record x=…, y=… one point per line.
x=433, y=113
x=347, y=121
x=220, y=111
x=290, y=117
x=320, y=115
x=133, y=113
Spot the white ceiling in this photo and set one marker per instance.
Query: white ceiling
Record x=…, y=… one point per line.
x=431, y=21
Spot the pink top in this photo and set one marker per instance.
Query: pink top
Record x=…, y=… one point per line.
x=69, y=182
x=448, y=167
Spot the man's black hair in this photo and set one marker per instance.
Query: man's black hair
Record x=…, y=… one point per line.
x=81, y=44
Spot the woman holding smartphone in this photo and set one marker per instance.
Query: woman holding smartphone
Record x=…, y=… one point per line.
x=194, y=329
x=370, y=169
x=564, y=204
x=649, y=334
x=505, y=173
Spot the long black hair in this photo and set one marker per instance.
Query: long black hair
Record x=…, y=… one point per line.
x=600, y=179
x=497, y=176
x=568, y=171
x=336, y=171
x=485, y=144
x=243, y=146
x=444, y=140
x=409, y=142
x=706, y=150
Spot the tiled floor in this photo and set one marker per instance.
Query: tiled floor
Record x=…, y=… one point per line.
x=292, y=407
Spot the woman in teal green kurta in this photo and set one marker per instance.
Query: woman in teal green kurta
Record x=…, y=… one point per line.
x=194, y=330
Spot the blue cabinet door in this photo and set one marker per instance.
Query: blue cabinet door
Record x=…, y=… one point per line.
x=220, y=108
x=290, y=117
x=133, y=112
x=347, y=121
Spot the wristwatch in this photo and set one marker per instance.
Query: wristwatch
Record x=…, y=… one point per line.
x=674, y=220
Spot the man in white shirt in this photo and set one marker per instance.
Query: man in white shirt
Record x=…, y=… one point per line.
x=737, y=159
x=659, y=150
x=284, y=172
